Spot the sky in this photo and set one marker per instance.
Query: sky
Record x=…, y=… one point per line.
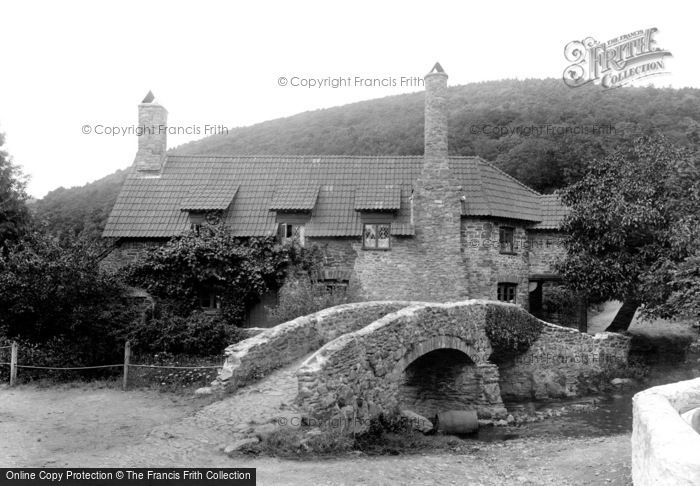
x=72, y=67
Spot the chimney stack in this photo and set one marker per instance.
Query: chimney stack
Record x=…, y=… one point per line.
x=436, y=112
x=153, y=122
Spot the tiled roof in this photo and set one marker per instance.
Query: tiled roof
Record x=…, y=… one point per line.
x=489, y=191
x=149, y=207
x=291, y=197
x=378, y=198
x=209, y=197
x=553, y=212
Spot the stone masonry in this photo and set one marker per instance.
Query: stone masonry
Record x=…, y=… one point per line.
x=364, y=370
x=153, y=121
x=128, y=252
x=257, y=356
x=485, y=263
x=562, y=363
x=367, y=372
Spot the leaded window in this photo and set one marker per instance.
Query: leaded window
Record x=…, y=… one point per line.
x=506, y=238
x=377, y=236
x=506, y=292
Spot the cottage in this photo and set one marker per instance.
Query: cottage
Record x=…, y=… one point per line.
x=432, y=228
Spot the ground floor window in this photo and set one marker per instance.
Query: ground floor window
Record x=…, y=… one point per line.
x=335, y=287
x=209, y=300
x=506, y=292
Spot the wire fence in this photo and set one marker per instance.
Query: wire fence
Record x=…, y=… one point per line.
x=126, y=365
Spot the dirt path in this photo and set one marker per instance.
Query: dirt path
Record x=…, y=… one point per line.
x=111, y=428
x=520, y=462
x=41, y=426
x=104, y=427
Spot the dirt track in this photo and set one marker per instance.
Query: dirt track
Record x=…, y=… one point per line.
x=105, y=427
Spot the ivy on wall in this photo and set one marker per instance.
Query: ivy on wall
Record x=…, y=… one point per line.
x=511, y=333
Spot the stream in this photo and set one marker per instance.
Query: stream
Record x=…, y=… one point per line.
x=593, y=416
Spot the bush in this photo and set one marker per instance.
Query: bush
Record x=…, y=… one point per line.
x=58, y=352
x=53, y=295
x=238, y=271
x=173, y=379
x=559, y=299
x=510, y=332
x=297, y=442
x=198, y=334
x=300, y=296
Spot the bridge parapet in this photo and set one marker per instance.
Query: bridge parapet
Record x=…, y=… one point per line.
x=255, y=357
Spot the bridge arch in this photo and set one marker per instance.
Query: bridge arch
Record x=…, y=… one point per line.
x=438, y=342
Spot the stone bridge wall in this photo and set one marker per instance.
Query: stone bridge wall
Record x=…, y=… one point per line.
x=255, y=357
x=360, y=375
x=561, y=363
x=665, y=447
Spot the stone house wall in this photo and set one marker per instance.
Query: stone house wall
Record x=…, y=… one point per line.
x=486, y=265
x=407, y=271
x=338, y=252
x=545, y=249
x=127, y=251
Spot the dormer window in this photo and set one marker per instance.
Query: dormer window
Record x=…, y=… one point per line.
x=289, y=232
x=197, y=219
x=376, y=236
x=207, y=203
x=378, y=206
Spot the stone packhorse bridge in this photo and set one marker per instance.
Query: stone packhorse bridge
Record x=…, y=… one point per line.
x=379, y=357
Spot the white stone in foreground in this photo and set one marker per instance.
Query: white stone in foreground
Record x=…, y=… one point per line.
x=665, y=448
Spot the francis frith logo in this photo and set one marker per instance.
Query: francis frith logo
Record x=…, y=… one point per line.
x=616, y=62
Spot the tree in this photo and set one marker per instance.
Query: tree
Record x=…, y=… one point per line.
x=633, y=230
x=51, y=290
x=14, y=215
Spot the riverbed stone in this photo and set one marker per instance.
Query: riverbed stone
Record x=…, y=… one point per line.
x=620, y=381
x=417, y=422
x=240, y=444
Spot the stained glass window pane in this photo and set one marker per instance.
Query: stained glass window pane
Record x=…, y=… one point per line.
x=370, y=236
x=383, y=235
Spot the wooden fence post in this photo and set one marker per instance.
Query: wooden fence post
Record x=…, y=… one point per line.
x=127, y=356
x=13, y=364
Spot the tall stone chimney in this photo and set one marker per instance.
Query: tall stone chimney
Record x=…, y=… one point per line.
x=436, y=112
x=153, y=121
x=437, y=206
